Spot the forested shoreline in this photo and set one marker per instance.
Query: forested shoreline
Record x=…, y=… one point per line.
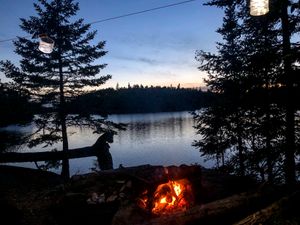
x=136, y=99
x=139, y=99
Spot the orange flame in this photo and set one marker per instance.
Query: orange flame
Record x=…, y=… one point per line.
x=172, y=196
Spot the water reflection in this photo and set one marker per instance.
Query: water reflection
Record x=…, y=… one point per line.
x=154, y=138
x=150, y=127
x=159, y=138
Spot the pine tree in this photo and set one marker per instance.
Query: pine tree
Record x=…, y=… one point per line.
x=289, y=25
x=252, y=64
x=55, y=78
x=226, y=77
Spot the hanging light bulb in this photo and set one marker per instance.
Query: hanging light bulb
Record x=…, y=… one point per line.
x=259, y=7
x=46, y=44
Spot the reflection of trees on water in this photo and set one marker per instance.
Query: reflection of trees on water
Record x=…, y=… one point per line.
x=171, y=127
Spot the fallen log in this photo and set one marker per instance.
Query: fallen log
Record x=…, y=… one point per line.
x=153, y=175
x=224, y=211
x=94, y=150
x=142, y=177
x=275, y=209
x=45, y=156
x=209, y=185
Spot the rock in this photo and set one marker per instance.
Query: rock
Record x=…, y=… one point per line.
x=112, y=198
x=101, y=198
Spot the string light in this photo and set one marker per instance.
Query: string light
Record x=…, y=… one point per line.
x=259, y=7
x=46, y=44
x=121, y=16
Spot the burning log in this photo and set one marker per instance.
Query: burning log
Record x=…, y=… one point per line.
x=175, y=195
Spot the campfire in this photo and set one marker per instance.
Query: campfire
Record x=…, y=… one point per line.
x=174, y=195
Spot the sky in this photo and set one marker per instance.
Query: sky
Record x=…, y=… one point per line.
x=153, y=48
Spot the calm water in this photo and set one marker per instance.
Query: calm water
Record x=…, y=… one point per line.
x=154, y=138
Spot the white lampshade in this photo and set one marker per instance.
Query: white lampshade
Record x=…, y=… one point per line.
x=259, y=7
x=46, y=44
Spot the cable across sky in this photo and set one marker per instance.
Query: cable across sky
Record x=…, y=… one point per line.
x=122, y=16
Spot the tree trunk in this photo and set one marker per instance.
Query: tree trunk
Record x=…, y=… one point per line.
x=290, y=174
x=223, y=158
x=65, y=172
x=240, y=153
x=269, y=153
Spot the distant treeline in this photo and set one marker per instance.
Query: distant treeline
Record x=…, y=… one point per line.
x=17, y=108
x=139, y=99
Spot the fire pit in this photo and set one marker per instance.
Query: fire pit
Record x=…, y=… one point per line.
x=155, y=195
x=158, y=192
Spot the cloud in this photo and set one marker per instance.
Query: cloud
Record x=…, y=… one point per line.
x=137, y=59
x=175, y=60
x=148, y=61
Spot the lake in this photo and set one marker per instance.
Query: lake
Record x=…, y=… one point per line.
x=152, y=138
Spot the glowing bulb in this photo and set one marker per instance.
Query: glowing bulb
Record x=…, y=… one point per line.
x=259, y=7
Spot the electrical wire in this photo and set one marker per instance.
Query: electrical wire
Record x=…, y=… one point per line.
x=121, y=16
x=143, y=11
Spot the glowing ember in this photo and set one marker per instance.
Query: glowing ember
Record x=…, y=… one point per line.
x=169, y=197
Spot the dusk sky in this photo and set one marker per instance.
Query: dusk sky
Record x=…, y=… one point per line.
x=153, y=48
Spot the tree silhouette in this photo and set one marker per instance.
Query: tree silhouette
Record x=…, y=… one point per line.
x=289, y=26
x=225, y=76
x=254, y=71
x=56, y=78
x=10, y=113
